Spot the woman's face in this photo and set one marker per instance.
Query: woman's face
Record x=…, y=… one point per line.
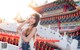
x=32, y=20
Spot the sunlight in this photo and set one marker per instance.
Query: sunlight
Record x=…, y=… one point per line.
x=9, y=9
x=42, y=2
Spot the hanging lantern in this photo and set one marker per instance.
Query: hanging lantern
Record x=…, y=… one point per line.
x=6, y=37
x=0, y=36
x=52, y=48
x=62, y=16
x=46, y=19
x=66, y=15
x=46, y=47
x=17, y=42
x=38, y=45
x=49, y=48
x=55, y=17
x=49, y=18
x=42, y=46
x=69, y=15
x=73, y=14
x=59, y=17
x=42, y=19
x=9, y=39
x=14, y=41
x=77, y=13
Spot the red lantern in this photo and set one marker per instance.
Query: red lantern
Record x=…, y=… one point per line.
x=71, y=15
x=9, y=39
x=79, y=11
x=48, y=18
x=59, y=17
x=74, y=14
x=68, y=15
x=46, y=47
x=55, y=17
x=42, y=46
x=43, y=19
x=49, y=48
x=1, y=37
x=52, y=48
x=62, y=17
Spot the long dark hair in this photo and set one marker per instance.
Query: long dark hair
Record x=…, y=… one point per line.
x=37, y=18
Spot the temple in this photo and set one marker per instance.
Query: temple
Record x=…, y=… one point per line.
x=60, y=14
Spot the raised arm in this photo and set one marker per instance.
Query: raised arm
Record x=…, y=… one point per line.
x=20, y=26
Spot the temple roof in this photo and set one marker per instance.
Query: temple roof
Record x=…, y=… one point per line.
x=41, y=8
x=53, y=6
x=63, y=13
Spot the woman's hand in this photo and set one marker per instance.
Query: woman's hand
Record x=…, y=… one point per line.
x=27, y=21
x=19, y=28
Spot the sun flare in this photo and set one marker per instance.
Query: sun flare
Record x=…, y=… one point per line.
x=10, y=8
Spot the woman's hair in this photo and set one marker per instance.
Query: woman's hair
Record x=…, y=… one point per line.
x=37, y=18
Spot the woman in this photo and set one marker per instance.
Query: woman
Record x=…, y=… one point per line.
x=29, y=32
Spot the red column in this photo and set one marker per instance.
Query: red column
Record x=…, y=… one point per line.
x=59, y=23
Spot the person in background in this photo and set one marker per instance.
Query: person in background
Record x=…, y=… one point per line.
x=30, y=31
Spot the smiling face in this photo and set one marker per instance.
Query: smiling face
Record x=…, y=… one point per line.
x=32, y=20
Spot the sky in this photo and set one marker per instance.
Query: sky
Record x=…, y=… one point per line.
x=10, y=8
